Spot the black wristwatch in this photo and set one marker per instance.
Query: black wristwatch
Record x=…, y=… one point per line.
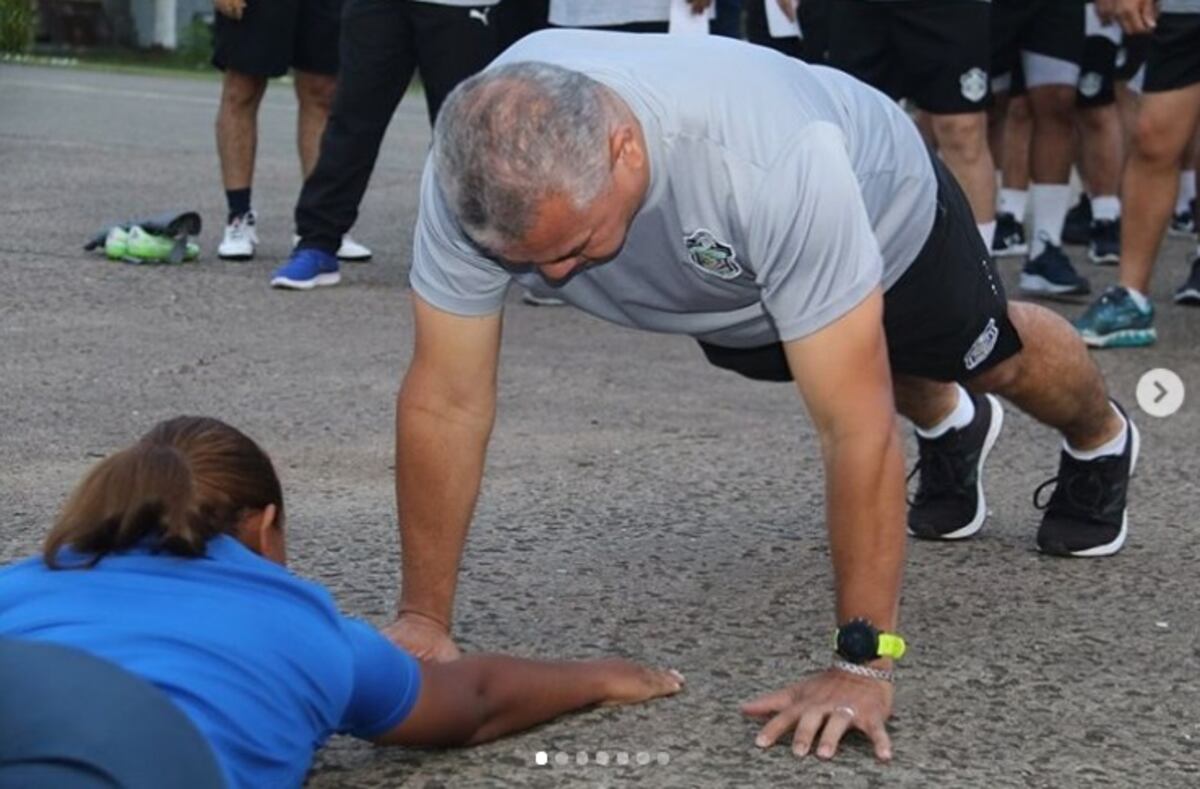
x=858, y=641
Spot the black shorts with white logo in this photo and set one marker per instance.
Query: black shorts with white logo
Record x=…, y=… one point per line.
x=1097, y=73
x=1044, y=36
x=946, y=318
x=934, y=52
x=276, y=35
x=1174, y=58
x=1131, y=55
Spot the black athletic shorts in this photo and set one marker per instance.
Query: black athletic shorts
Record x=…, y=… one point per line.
x=934, y=52
x=276, y=35
x=1097, y=73
x=1051, y=32
x=1174, y=58
x=1131, y=55
x=946, y=318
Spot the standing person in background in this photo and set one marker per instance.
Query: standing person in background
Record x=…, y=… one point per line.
x=383, y=44
x=1166, y=124
x=1010, y=131
x=254, y=41
x=935, y=54
x=519, y=18
x=628, y=16
x=812, y=18
x=1045, y=39
x=1095, y=220
x=728, y=21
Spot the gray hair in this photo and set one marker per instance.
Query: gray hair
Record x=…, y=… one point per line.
x=512, y=136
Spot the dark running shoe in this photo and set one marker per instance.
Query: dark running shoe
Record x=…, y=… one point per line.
x=1078, y=225
x=1009, y=240
x=1184, y=223
x=1051, y=274
x=1104, y=244
x=949, y=503
x=1189, y=292
x=1085, y=516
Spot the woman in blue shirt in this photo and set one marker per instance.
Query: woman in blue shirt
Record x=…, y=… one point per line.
x=168, y=561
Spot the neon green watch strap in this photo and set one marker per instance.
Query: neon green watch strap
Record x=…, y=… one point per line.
x=891, y=646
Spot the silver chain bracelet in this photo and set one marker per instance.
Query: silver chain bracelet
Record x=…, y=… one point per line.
x=886, y=675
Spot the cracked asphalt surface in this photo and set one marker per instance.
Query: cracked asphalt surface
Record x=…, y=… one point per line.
x=637, y=502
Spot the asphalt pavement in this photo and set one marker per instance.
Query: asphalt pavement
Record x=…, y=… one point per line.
x=637, y=502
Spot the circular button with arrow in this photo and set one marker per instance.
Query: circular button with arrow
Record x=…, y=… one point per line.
x=1160, y=392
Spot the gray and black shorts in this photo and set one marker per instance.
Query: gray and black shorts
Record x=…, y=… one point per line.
x=946, y=318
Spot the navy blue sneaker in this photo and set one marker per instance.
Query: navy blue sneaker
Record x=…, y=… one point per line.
x=1077, y=227
x=1184, y=223
x=307, y=269
x=1189, y=292
x=1009, y=240
x=1104, y=246
x=1051, y=274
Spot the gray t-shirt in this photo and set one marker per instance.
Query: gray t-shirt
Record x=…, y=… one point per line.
x=1179, y=6
x=780, y=194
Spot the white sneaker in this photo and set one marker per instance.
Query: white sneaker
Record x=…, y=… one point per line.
x=353, y=251
x=241, y=237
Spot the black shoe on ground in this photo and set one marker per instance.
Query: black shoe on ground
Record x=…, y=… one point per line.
x=1086, y=516
x=1051, y=274
x=949, y=503
x=1009, y=240
x=1078, y=224
x=1104, y=244
x=1189, y=292
x=1184, y=223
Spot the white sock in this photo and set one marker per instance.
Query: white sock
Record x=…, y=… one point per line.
x=957, y=419
x=1107, y=208
x=1050, y=203
x=1139, y=299
x=1112, y=447
x=1187, y=191
x=1013, y=201
x=988, y=231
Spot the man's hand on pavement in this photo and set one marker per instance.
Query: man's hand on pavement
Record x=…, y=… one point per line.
x=422, y=637
x=821, y=709
x=230, y=8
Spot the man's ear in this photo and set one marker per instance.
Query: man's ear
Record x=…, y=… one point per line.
x=625, y=148
x=260, y=532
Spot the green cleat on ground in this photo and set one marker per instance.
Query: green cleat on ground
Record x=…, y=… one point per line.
x=116, y=243
x=1115, y=321
x=144, y=247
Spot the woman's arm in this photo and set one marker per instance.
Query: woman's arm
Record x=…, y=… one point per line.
x=482, y=697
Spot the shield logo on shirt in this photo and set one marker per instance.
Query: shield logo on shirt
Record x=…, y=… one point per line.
x=711, y=255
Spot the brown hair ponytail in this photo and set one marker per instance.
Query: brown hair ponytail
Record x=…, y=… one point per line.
x=186, y=481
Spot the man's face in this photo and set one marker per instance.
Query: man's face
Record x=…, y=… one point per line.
x=564, y=239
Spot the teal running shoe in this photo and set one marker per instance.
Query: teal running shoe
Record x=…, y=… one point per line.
x=1116, y=321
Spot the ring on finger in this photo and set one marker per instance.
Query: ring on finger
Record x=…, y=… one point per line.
x=847, y=711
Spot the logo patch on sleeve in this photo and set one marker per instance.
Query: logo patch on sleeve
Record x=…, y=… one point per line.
x=712, y=256
x=983, y=346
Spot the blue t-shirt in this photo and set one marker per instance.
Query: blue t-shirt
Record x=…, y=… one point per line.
x=260, y=660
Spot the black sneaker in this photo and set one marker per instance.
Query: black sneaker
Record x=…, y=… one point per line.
x=1051, y=274
x=949, y=503
x=1104, y=244
x=1077, y=227
x=1086, y=516
x=1009, y=240
x=1184, y=223
x=1189, y=292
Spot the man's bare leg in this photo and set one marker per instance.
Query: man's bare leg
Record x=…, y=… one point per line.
x=963, y=143
x=314, y=93
x=1101, y=149
x=1165, y=125
x=237, y=127
x=1053, y=379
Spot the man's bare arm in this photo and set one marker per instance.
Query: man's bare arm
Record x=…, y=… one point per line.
x=842, y=372
x=843, y=375
x=444, y=416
